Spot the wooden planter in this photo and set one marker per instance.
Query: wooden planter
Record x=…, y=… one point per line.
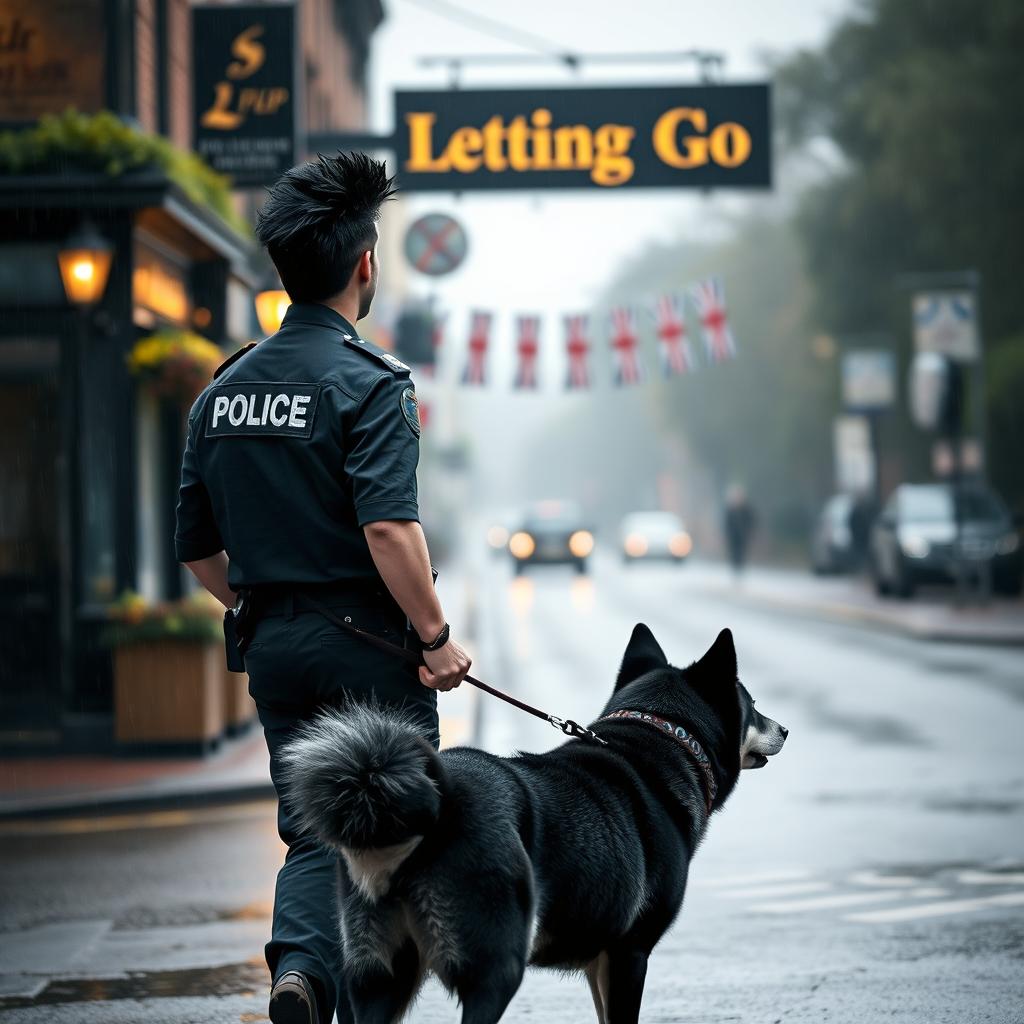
x=169, y=694
x=239, y=707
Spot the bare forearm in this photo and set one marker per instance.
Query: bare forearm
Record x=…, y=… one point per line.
x=212, y=573
x=399, y=551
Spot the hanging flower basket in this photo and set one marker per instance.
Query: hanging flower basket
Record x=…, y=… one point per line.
x=175, y=364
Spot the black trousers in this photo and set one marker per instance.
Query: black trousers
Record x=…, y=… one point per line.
x=298, y=664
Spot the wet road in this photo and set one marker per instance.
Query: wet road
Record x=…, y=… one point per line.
x=875, y=869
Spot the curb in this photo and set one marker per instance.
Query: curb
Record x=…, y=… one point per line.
x=133, y=801
x=871, y=617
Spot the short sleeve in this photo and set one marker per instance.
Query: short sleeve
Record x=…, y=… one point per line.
x=382, y=452
x=196, y=535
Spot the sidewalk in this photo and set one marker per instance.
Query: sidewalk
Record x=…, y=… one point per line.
x=42, y=787
x=930, y=615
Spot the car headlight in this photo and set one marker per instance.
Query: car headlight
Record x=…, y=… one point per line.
x=581, y=543
x=680, y=545
x=914, y=545
x=635, y=545
x=1007, y=544
x=497, y=536
x=521, y=545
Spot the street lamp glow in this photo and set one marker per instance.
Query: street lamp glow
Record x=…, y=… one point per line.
x=84, y=262
x=271, y=306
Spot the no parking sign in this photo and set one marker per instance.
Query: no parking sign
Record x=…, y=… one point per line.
x=436, y=244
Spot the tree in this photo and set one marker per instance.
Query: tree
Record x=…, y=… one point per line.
x=922, y=100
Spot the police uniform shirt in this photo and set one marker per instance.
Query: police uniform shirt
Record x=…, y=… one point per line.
x=293, y=448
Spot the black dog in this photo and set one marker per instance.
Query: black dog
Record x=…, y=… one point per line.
x=471, y=865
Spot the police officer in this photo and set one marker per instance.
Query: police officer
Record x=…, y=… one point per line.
x=298, y=487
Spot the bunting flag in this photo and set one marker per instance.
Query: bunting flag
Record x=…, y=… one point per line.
x=625, y=345
x=709, y=297
x=578, y=347
x=528, y=329
x=479, y=329
x=676, y=355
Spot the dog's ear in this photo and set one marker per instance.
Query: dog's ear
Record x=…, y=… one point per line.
x=643, y=653
x=719, y=663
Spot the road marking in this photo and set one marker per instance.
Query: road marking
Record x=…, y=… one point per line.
x=990, y=878
x=754, y=892
x=940, y=909
x=781, y=875
x=873, y=878
x=851, y=899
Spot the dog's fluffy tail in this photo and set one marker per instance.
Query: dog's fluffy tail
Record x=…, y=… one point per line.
x=362, y=778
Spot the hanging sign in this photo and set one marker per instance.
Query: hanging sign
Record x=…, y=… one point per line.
x=674, y=136
x=243, y=93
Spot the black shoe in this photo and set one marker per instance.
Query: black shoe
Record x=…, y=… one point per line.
x=293, y=1001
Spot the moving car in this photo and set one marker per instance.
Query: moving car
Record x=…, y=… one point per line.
x=654, y=535
x=912, y=540
x=551, y=532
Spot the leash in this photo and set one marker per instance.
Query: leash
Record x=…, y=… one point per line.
x=564, y=725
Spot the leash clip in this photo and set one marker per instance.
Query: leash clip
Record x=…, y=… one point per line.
x=571, y=728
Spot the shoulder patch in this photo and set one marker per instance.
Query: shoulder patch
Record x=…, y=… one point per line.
x=233, y=359
x=411, y=409
x=393, y=363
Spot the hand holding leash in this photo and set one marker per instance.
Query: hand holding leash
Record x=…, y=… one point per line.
x=444, y=668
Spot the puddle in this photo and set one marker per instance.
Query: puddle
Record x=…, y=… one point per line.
x=250, y=978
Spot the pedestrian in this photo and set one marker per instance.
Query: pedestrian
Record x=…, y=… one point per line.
x=738, y=526
x=298, y=488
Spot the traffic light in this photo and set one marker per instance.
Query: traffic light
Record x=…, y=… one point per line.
x=414, y=337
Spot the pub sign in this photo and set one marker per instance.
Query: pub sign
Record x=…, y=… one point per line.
x=244, y=95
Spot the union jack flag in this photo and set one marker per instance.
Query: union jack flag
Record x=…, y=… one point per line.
x=578, y=347
x=625, y=343
x=528, y=347
x=476, y=366
x=676, y=354
x=709, y=297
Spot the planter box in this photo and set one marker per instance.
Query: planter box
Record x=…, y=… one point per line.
x=239, y=707
x=169, y=694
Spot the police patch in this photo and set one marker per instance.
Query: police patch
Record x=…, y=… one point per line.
x=411, y=410
x=253, y=409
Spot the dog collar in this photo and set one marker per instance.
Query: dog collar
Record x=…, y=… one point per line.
x=678, y=733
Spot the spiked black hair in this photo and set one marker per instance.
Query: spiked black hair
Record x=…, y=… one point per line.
x=320, y=218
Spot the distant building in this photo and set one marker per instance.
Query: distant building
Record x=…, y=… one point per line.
x=89, y=452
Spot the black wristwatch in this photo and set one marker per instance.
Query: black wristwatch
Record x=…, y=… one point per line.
x=440, y=640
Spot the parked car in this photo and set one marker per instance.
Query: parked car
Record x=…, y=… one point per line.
x=552, y=532
x=912, y=540
x=839, y=542
x=658, y=535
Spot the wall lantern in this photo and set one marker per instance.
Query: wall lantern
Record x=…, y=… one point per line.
x=84, y=261
x=271, y=305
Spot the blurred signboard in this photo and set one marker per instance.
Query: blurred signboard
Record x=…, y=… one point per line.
x=52, y=56
x=868, y=380
x=436, y=244
x=699, y=136
x=946, y=322
x=854, y=456
x=243, y=59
